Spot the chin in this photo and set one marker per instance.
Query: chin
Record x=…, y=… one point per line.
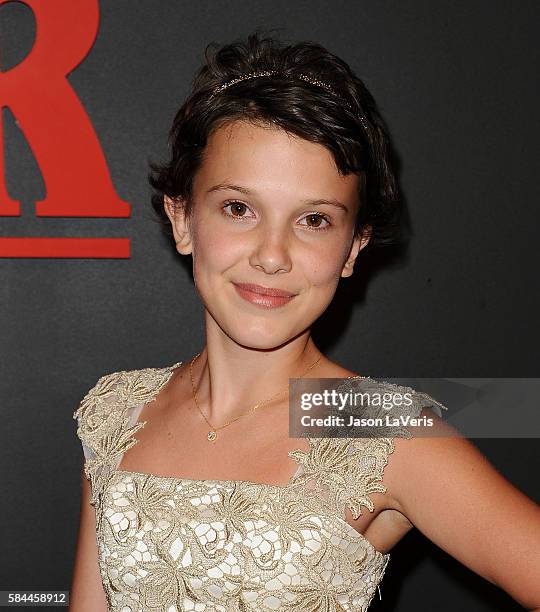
x=260, y=337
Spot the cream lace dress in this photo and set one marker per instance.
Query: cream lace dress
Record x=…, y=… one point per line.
x=172, y=544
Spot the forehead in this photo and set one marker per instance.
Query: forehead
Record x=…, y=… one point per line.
x=268, y=158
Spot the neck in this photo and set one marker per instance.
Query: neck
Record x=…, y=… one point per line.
x=230, y=379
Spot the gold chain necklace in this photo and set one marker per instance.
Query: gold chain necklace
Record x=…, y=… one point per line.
x=212, y=434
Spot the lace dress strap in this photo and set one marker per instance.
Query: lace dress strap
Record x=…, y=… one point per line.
x=340, y=473
x=105, y=420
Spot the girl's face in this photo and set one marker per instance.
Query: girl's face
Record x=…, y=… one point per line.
x=269, y=209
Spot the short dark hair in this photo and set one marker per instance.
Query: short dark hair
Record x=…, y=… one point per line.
x=294, y=105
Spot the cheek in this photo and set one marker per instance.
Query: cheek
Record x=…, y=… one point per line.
x=214, y=249
x=323, y=268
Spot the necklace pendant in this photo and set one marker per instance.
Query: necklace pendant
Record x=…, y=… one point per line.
x=212, y=435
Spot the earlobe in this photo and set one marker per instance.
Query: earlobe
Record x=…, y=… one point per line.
x=348, y=268
x=359, y=242
x=175, y=210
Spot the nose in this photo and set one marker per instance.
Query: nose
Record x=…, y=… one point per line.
x=271, y=252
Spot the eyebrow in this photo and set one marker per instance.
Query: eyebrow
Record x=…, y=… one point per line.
x=249, y=192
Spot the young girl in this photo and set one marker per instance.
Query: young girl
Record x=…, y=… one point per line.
x=280, y=175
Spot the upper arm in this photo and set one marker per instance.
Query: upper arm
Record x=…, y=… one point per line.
x=87, y=594
x=455, y=497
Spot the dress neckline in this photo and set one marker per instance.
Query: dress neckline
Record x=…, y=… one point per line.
x=168, y=370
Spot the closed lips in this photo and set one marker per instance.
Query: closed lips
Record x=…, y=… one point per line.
x=264, y=290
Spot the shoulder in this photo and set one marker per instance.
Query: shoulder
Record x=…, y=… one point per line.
x=107, y=404
x=423, y=448
x=402, y=404
x=104, y=418
x=127, y=386
x=349, y=471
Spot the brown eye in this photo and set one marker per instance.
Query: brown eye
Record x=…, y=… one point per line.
x=314, y=221
x=316, y=218
x=237, y=209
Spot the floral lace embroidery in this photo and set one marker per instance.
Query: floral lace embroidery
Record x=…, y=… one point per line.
x=180, y=544
x=104, y=414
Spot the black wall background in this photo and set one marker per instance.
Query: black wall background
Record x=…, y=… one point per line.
x=457, y=83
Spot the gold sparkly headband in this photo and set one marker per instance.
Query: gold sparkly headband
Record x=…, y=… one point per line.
x=303, y=77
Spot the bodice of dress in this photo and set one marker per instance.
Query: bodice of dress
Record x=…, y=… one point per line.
x=172, y=544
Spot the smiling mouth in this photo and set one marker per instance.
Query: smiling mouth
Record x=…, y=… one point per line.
x=265, y=297
x=264, y=290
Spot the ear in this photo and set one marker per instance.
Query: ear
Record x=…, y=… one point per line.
x=175, y=210
x=358, y=243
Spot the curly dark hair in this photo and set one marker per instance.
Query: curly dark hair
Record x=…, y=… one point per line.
x=294, y=105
